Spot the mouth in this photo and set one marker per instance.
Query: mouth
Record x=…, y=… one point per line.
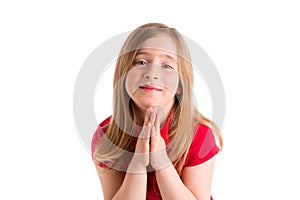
x=150, y=88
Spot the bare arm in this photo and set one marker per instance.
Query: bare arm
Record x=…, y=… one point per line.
x=119, y=185
x=111, y=180
x=195, y=182
x=130, y=185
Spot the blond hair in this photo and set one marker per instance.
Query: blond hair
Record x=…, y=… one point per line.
x=119, y=138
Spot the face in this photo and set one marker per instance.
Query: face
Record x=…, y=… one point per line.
x=153, y=79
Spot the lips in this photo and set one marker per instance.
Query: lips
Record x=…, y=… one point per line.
x=150, y=88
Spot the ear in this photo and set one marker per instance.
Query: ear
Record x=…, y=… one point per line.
x=179, y=90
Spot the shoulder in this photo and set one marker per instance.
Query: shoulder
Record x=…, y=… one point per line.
x=105, y=122
x=101, y=129
x=203, y=146
x=202, y=132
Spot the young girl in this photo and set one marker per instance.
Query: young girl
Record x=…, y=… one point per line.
x=156, y=145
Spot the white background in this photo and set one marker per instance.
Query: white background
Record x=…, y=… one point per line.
x=255, y=46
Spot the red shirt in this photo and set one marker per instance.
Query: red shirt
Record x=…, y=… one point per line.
x=202, y=148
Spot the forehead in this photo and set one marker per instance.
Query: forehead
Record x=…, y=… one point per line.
x=159, y=43
x=162, y=42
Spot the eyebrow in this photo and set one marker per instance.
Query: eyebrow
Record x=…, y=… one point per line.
x=162, y=55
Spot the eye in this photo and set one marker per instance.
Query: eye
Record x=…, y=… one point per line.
x=140, y=62
x=167, y=67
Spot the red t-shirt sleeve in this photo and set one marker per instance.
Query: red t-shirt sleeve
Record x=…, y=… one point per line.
x=97, y=136
x=203, y=146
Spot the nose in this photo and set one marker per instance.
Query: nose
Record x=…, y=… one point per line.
x=151, y=73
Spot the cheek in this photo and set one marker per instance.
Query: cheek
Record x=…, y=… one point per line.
x=128, y=85
x=131, y=82
x=171, y=82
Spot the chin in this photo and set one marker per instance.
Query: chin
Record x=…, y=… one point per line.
x=148, y=105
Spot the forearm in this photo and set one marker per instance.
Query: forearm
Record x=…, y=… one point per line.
x=134, y=185
x=170, y=185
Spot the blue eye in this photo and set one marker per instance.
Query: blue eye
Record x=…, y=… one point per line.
x=140, y=63
x=167, y=67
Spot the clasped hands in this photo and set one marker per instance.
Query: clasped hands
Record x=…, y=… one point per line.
x=150, y=147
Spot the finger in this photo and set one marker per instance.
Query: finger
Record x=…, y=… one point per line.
x=152, y=118
x=157, y=121
x=147, y=117
x=146, y=131
x=156, y=126
x=153, y=132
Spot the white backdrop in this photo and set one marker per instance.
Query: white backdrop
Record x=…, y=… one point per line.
x=254, y=45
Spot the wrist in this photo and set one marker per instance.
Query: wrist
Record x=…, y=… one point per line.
x=138, y=163
x=160, y=160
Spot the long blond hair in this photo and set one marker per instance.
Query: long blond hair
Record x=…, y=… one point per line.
x=119, y=138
